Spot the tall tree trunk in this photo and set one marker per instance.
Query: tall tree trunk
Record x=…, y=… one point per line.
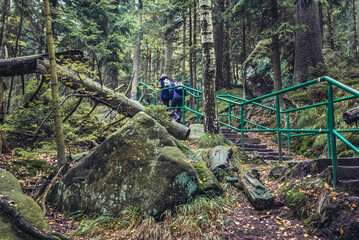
x=54, y=88
x=195, y=45
x=211, y=124
x=162, y=61
x=308, y=44
x=355, y=30
x=244, y=38
x=218, y=41
x=275, y=49
x=184, y=48
x=320, y=9
x=227, y=54
x=357, y=25
x=5, y=10
x=330, y=27
x=137, y=54
x=169, y=48
x=190, y=59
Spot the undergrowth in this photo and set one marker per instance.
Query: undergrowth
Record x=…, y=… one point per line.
x=197, y=219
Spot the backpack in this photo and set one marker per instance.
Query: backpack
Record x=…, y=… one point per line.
x=166, y=82
x=179, y=89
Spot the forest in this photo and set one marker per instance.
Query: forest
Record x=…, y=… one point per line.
x=179, y=119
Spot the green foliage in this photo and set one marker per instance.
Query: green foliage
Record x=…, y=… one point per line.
x=160, y=113
x=188, y=220
x=297, y=200
x=209, y=140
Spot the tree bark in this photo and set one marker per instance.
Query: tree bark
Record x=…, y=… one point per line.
x=184, y=48
x=209, y=68
x=275, y=49
x=137, y=54
x=330, y=27
x=357, y=24
x=227, y=55
x=308, y=44
x=26, y=65
x=195, y=45
x=190, y=59
x=54, y=88
x=218, y=33
x=169, y=49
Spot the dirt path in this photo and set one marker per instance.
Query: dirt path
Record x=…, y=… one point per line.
x=247, y=223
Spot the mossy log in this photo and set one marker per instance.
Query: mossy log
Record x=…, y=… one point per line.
x=352, y=115
x=27, y=65
x=107, y=96
x=256, y=192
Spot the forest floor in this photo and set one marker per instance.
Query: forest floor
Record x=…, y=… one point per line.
x=241, y=221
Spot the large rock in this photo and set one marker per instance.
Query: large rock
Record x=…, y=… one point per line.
x=23, y=206
x=139, y=166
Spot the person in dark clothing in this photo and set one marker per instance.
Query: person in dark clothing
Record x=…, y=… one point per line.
x=177, y=98
x=164, y=82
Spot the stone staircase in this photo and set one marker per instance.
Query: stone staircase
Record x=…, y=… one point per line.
x=348, y=172
x=253, y=145
x=348, y=167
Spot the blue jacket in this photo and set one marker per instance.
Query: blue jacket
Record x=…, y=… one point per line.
x=165, y=94
x=176, y=92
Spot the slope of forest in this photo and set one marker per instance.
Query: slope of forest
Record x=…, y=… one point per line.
x=74, y=79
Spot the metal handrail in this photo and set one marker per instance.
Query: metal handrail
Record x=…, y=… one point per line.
x=331, y=131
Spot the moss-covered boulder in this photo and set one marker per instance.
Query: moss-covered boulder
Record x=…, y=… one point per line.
x=25, y=208
x=139, y=166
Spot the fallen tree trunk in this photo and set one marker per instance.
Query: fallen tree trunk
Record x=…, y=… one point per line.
x=352, y=115
x=27, y=65
x=107, y=96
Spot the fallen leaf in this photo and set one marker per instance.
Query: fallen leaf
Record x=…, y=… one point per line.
x=341, y=231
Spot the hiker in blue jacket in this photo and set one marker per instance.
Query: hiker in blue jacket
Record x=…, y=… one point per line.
x=164, y=82
x=177, y=95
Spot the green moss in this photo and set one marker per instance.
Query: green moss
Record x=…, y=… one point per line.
x=207, y=182
x=7, y=232
x=297, y=200
x=30, y=211
x=8, y=183
x=303, y=146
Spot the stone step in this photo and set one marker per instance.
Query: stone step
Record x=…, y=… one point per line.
x=257, y=146
x=271, y=153
x=350, y=186
x=248, y=141
x=225, y=130
x=234, y=135
x=270, y=157
x=320, y=164
x=259, y=150
x=348, y=172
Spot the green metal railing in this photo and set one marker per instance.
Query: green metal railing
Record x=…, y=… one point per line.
x=233, y=101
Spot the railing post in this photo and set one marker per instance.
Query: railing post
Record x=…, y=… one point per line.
x=288, y=134
x=277, y=108
x=154, y=99
x=229, y=113
x=197, y=99
x=242, y=128
x=331, y=125
x=328, y=135
x=183, y=103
